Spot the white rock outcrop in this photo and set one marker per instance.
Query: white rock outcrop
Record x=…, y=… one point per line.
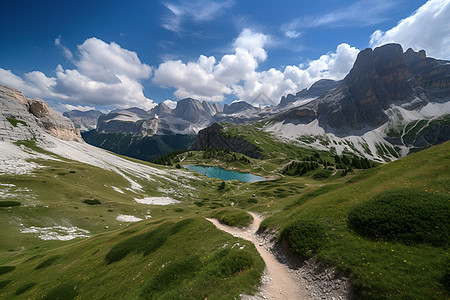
x=24, y=119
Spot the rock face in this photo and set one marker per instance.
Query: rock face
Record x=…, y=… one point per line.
x=379, y=79
x=316, y=90
x=212, y=137
x=24, y=119
x=193, y=110
x=84, y=120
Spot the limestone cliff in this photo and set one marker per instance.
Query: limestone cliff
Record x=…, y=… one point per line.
x=23, y=119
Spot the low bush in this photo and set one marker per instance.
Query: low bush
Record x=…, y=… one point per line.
x=322, y=174
x=6, y=269
x=411, y=217
x=446, y=278
x=304, y=237
x=173, y=274
x=66, y=291
x=233, y=217
x=4, y=283
x=46, y=263
x=92, y=201
x=235, y=261
x=9, y=203
x=22, y=289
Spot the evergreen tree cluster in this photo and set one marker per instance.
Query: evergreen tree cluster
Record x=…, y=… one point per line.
x=346, y=162
x=224, y=155
x=169, y=158
x=297, y=168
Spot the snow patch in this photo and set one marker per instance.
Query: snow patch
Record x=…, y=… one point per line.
x=60, y=233
x=157, y=200
x=117, y=189
x=128, y=218
x=293, y=131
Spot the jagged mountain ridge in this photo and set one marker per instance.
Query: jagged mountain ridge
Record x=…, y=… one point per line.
x=84, y=120
x=389, y=104
x=366, y=113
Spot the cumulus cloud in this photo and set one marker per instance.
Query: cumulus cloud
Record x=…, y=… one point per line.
x=427, y=28
x=197, y=11
x=170, y=103
x=105, y=74
x=237, y=74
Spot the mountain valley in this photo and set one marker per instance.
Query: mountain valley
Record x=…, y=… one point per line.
x=80, y=222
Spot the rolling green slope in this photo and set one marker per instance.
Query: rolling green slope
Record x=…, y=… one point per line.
x=173, y=253
x=383, y=268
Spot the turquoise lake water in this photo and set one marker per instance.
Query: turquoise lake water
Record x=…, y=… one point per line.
x=221, y=173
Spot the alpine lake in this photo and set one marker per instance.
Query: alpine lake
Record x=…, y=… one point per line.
x=221, y=173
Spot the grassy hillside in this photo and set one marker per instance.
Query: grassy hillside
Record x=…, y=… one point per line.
x=380, y=268
x=174, y=253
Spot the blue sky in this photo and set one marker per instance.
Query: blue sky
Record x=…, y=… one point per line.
x=111, y=54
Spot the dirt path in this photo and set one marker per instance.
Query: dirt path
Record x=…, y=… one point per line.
x=279, y=282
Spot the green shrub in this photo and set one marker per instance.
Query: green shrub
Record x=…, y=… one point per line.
x=46, y=263
x=322, y=174
x=173, y=274
x=6, y=269
x=66, y=291
x=92, y=201
x=446, y=278
x=408, y=216
x=252, y=200
x=4, y=283
x=304, y=237
x=9, y=203
x=233, y=217
x=236, y=261
x=27, y=286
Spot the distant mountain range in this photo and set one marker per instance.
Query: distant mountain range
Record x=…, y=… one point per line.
x=391, y=102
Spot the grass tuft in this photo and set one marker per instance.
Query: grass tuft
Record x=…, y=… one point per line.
x=46, y=263
x=92, y=201
x=6, y=269
x=9, y=203
x=4, y=283
x=66, y=291
x=27, y=286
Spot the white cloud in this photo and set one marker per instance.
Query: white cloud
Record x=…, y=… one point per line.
x=237, y=73
x=68, y=107
x=360, y=13
x=106, y=74
x=66, y=52
x=268, y=87
x=427, y=28
x=170, y=103
x=104, y=62
x=197, y=11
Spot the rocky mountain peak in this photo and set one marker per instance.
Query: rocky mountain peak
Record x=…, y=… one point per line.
x=237, y=107
x=191, y=110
